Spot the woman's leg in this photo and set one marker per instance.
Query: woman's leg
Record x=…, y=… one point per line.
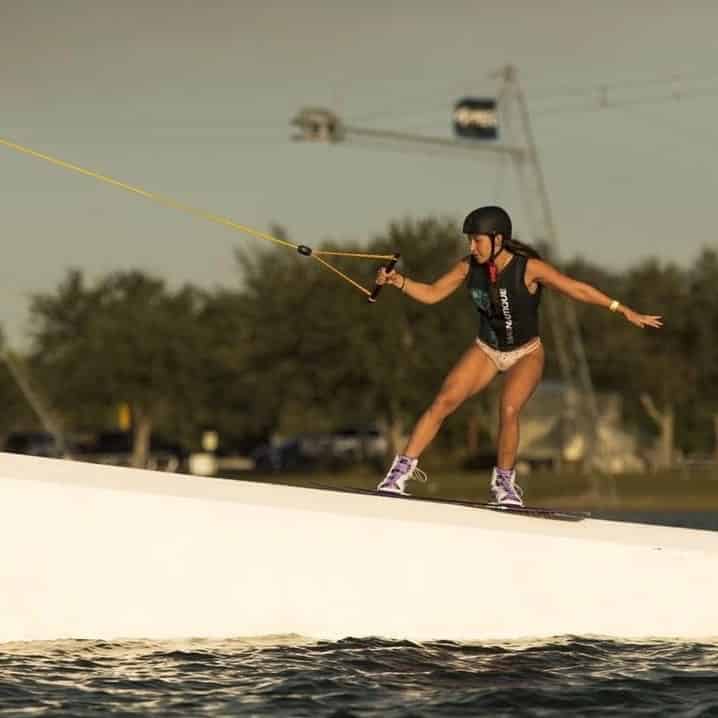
x=520, y=382
x=468, y=377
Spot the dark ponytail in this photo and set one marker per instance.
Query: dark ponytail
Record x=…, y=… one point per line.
x=523, y=250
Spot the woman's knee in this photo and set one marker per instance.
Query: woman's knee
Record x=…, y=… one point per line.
x=509, y=413
x=445, y=404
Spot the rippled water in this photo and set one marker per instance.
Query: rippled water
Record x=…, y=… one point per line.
x=291, y=677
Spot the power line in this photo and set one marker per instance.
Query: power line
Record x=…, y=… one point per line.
x=625, y=85
x=602, y=94
x=605, y=102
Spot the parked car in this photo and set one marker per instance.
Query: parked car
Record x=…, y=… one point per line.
x=115, y=447
x=330, y=450
x=34, y=443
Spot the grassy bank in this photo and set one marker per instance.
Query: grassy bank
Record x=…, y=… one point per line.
x=679, y=490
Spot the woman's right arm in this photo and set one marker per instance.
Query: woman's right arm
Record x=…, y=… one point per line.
x=426, y=293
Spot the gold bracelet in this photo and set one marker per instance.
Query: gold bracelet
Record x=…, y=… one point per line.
x=614, y=305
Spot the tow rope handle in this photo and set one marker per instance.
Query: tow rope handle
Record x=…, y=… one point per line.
x=387, y=268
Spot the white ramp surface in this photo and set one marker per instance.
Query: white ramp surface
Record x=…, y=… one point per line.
x=90, y=551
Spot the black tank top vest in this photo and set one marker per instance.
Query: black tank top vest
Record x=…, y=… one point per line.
x=515, y=320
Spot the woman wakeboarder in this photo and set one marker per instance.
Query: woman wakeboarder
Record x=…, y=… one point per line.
x=505, y=278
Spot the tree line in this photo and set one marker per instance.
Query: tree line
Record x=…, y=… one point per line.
x=292, y=348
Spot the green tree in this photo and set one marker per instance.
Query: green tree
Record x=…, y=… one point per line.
x=125, y=339
x=700, y=316
x=651, y=369
x=232, y=404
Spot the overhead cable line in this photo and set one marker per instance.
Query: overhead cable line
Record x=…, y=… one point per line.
x=673, y=79
x=682, y=87
x=605, y=102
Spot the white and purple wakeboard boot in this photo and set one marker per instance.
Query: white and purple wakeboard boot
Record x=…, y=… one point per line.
x=402, y=469
x=505, y=489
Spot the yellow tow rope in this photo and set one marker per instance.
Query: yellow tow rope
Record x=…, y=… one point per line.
x=203, y=214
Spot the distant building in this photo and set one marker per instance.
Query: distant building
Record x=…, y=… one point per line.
x=550, y=434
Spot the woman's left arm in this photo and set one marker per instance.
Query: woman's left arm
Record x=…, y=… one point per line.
x=543, y=273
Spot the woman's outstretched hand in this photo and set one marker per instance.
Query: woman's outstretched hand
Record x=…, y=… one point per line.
x=392, y=277
x=642, y=320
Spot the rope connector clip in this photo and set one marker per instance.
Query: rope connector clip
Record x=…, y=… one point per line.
x=303, y=249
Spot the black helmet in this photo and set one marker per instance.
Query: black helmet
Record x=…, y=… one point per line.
x=488, y=220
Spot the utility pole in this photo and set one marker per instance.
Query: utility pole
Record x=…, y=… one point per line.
x=323, y=125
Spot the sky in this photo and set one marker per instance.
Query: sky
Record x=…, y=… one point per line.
x=193, y=100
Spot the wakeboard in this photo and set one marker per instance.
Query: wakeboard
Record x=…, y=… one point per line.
x=534, y=511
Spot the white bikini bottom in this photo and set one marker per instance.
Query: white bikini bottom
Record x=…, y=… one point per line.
x=505, y=360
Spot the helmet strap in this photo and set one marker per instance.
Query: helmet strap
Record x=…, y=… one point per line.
x=493, y=270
